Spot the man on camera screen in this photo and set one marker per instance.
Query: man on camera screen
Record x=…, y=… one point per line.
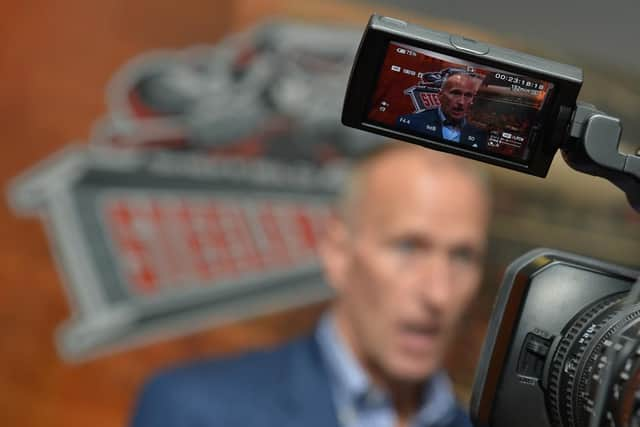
x=449, y=120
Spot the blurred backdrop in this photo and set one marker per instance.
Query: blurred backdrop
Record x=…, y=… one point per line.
x=56, y=61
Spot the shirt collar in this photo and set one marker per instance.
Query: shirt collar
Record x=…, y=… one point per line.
x=346, y=373
x=439, y=403
x=351, y=382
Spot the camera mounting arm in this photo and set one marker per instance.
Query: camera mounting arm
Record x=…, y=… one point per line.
x=593, y=149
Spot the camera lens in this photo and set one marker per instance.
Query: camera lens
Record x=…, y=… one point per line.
x=598, y=348
x=621, y=364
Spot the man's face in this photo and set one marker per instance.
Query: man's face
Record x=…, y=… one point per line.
x=406, y=271
x=456, y=96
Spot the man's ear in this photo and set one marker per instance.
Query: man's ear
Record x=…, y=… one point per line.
x=335, y=253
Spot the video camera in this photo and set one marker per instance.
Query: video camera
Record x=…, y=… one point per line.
x=563, y=345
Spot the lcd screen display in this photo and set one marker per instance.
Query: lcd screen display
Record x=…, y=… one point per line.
x=449, y=100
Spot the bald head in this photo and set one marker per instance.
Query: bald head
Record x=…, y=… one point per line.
x=461, y=79
x=392, y=166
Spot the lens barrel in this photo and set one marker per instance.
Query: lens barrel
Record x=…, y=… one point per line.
x=600, y=347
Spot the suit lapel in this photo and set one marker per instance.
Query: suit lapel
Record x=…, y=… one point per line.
x=310, y=402
x=434, y=118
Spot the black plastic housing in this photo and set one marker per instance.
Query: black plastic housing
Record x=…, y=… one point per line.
x=381, y=31
x=540, y=294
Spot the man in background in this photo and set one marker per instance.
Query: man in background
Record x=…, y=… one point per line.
x=404, y=256
x=449, y=120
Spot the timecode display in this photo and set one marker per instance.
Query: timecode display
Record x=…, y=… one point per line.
x=519, y=81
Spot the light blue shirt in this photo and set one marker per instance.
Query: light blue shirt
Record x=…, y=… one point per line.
x=359, y=403
x=450, y=133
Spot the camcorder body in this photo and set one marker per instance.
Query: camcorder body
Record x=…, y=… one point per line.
x=562, y=348
x=556, y=319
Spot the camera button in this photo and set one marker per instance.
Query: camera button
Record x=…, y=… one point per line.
x=469, y=45
x=393, y=21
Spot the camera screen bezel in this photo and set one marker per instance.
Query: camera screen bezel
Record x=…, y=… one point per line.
x=365, y=76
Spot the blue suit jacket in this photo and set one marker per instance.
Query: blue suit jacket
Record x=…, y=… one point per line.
x=428, y=123
x=283, y=387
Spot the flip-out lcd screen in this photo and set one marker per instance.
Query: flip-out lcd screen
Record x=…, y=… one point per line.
x=457, y=102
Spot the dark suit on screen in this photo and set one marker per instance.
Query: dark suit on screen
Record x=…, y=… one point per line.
x=284, y=387
x=430, y=123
